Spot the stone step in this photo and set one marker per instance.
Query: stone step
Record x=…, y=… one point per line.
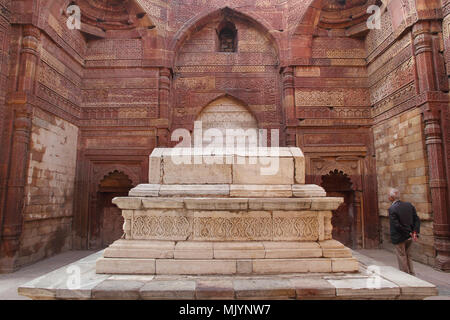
x=132, y=266
x=194, y=250
x=251, y=257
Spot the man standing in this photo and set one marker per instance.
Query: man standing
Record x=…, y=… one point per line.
x=405, y=228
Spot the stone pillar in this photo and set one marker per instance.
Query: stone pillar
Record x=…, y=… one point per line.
x=438, y=185
x=433, y=103
x=359, y=220
x=28, y=59
x=21, y=104
x=165, y=76
x=290, y=118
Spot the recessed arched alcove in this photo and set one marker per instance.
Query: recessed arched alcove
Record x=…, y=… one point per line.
x=106, y=222
x=227, y=36
x=338, y=184
x=226, y=113
x=226, y=52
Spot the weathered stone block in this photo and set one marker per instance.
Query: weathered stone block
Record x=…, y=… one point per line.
x=252, y=173
x=127, y=203
x=195, y=266
x=279, y=204
x=326, y=203
x=260, y=191
x=158, y=289
x=331, y=244
x=337, y=253
x=308, y=191
x=145, y=190
x=292, y=250
x=214, y=289
x=311, y=288
x=362, y=288
x=155, y=166
x=238, y=250
x=125, y=266
x=299, y=165
x=117, y=290
x=279, y=288
x=244, y=266
x=344, y=265
x=195, y=173
x=194, y=250
x=178, y=190
x=162, y=203
x=273, y=266
x=216, y=204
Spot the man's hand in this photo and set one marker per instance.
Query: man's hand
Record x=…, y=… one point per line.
x=414, y=236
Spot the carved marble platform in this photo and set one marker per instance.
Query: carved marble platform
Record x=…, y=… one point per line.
x=227, y=218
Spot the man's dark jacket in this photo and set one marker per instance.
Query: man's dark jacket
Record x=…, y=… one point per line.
x=403, y=220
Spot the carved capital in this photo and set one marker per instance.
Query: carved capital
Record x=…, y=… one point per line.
x=423, y=41
x=288, y=77
x=433, y=131
x=165, y=76
x=30, y=42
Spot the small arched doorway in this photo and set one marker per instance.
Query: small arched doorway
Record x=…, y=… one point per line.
x=106, y=224
x=338, y=184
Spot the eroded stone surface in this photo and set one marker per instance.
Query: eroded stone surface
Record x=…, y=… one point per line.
x=260, y=191
x=156, y=290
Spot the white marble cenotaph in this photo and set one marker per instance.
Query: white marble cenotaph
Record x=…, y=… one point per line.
x=230, y=214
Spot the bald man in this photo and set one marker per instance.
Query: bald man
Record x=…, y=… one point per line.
x=405, y=228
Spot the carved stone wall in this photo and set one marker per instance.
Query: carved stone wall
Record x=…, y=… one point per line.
x=402, y=163
x=401, y=156
x=226, y=114
x=446, y=117
x=4, y=48
x=250, y=74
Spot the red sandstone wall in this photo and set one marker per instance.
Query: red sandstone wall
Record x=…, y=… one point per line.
x=446, y=39
x=5, y=39
x=401, y=156
x=332, y=105
x=250, y=74
x=49, y=192
x=4, y=47
x=56, y=104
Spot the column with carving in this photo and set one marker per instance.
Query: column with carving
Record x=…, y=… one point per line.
x=165, y=76
x=20, y=102
x=358, y=240
x=290, y=119
x=433, y=102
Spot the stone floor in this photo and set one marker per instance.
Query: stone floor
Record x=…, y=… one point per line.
x=383, y=257
x=49, y=278
x=10, y=282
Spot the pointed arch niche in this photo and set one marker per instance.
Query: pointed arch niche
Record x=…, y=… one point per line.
x=226, y=113
x=226, y=53
x=106, y=221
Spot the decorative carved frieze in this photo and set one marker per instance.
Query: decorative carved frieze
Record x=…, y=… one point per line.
x=221, y=226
